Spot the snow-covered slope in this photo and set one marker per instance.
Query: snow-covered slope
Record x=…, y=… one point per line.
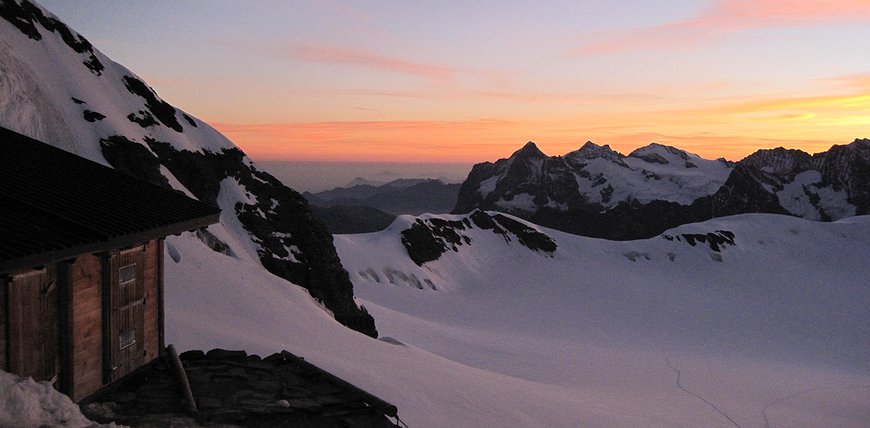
x=763, y=316
x=56, y=87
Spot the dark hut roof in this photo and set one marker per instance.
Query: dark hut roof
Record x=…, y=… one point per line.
x=55, y=205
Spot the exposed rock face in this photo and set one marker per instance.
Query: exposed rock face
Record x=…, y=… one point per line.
x=292, y=243
x=825, y=186
x=28, y=18
x=715, y=240
x=98, y=109
x=427, y=239
x=596, y=191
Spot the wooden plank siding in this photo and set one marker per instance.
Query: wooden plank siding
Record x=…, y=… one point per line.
x=85, y=281
x=97, y=309
x=32, y=318
x=150, y=285
x=4, y=348
x=134, y=336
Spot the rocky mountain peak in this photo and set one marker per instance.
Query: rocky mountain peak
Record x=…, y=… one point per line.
x=590, y=150
x=779, y=160
x=529, y=151
x=862, y=145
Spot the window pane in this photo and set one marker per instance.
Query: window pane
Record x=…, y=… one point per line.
x=127, y=338
x=127, y=273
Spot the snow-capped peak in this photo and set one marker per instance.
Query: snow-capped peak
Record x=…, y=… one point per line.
x=659, y=153
x=590, y=150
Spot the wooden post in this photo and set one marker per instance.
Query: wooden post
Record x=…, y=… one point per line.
x=181, y=376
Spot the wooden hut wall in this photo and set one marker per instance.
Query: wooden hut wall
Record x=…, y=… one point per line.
x=133, y=299
x=4, y=349
x=86, y=321
x=32, y=317
x=153, y=294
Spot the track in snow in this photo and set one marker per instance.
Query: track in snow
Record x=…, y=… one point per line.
x=713, y=406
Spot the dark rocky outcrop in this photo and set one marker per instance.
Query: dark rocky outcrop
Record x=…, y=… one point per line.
x=527, y=236
x=25, y=16
x=142, y=118
x=93, y=116
x=427, y=239
x=133, y=159
x=190, y=121
x=715, y=240
x=160, y=109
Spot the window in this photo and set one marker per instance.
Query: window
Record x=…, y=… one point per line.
x=127, y=275
x=127, y=338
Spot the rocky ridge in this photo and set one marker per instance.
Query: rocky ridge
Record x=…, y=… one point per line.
x=596, y=191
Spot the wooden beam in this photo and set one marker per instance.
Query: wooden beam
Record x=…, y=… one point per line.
x=4, y=322
x=181, y=377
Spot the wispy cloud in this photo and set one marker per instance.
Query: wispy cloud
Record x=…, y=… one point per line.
x=440, y=74
x=340, y=55
x=726, y=17
x=859, y=81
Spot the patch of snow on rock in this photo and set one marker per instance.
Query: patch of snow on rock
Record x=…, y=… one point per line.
x=522, y=202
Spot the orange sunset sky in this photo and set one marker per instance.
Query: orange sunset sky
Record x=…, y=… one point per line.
x=465, y=82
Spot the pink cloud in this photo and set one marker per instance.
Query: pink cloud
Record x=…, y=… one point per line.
x=727, y=17
x=443, y=75
x=340, y=55
x=860, y=81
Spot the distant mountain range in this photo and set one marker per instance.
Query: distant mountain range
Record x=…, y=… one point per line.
x=366, y=206
x=596, y=191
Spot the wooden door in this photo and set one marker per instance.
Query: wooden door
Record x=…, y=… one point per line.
x=33, y=346
x=127, y=311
